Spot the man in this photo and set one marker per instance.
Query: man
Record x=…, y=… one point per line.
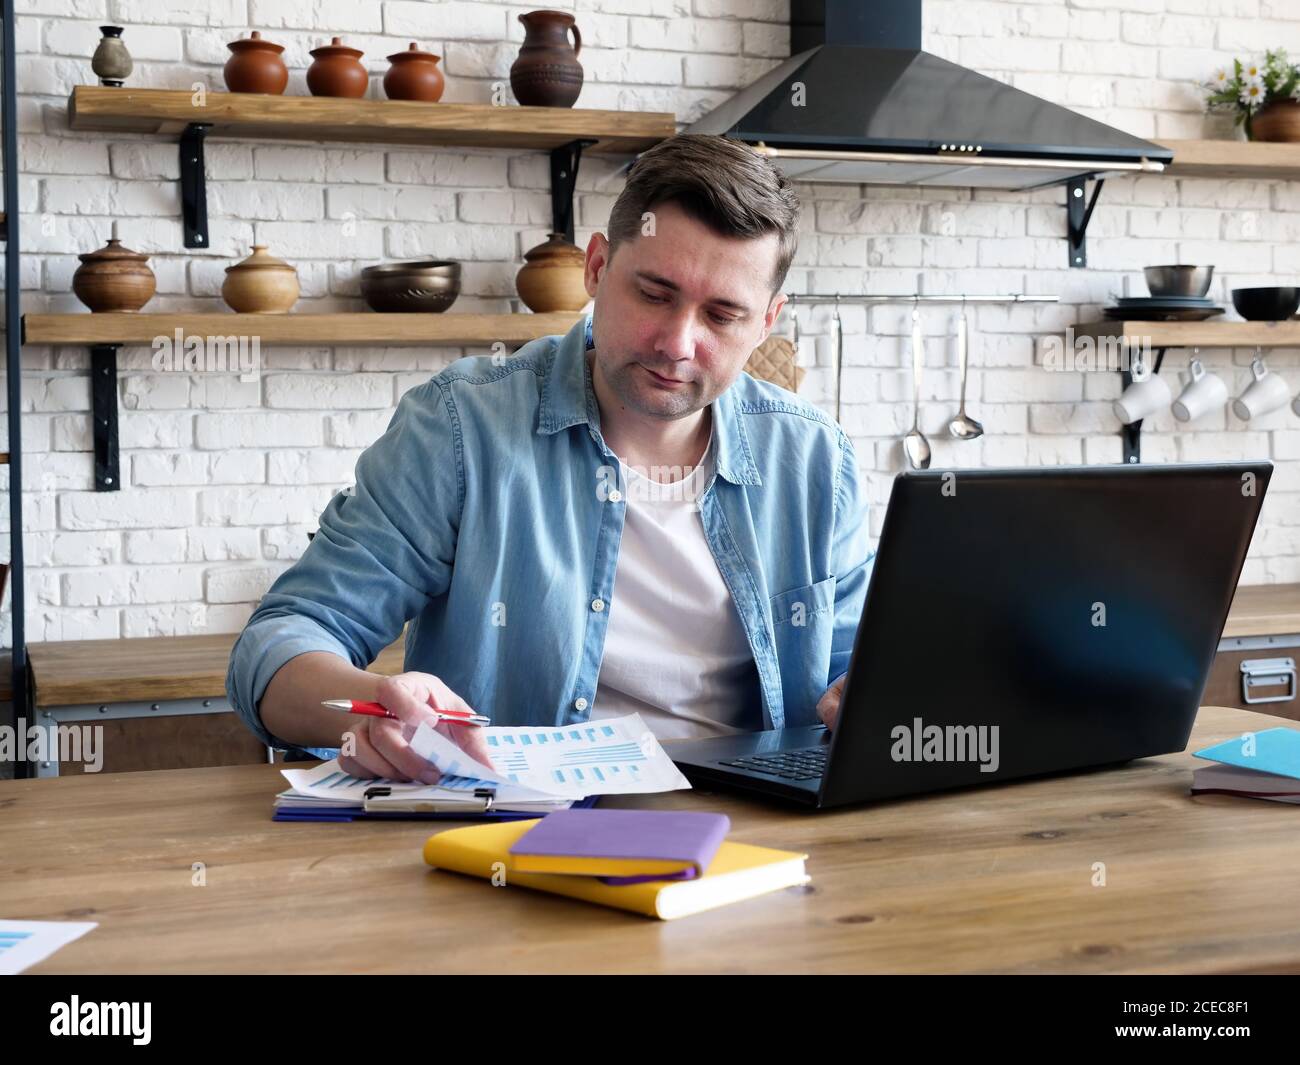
x=617, y=519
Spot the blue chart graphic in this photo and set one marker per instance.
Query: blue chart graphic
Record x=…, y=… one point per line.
x=10, y=939
x=577, y=755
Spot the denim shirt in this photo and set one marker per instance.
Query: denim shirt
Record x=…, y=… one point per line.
x=489, y=515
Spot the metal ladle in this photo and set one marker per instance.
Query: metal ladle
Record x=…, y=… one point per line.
x=915, y=444
x=963, y=427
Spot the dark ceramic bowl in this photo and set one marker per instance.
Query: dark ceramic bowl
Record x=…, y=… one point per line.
x=429, y=286
x=1266, y=304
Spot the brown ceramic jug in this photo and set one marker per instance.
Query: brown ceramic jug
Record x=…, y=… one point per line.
x=260, y=284
x=1276, y=121
x=336, y=70
x=547, y=72
x=255, y=66
x=552, y=278
x=114, y=279
x=414, y=75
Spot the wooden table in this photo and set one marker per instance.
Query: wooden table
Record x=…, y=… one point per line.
x=995, y=879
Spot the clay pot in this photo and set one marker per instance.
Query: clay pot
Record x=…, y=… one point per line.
x=552, y=277
x=336, y=70
x=256, y=66
x=414, y=75
x=261, y=284
x=114, y=279
x=111, y=61
x=1276, y=121
x=547, y=72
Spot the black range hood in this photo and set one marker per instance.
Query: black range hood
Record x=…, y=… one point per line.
x=859, y=101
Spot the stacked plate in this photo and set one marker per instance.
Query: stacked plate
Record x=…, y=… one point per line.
x=1164, y=308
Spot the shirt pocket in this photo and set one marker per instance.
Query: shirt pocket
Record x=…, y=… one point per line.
x=797, y=606
x=803, y=629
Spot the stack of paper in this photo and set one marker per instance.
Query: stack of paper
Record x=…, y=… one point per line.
x=1259, y=765
x=534, y=770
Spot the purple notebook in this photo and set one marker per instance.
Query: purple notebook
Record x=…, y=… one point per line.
x=692, y=838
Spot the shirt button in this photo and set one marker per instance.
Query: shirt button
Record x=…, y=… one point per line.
x=598, y=605
x=615, y=496
x=580, y=704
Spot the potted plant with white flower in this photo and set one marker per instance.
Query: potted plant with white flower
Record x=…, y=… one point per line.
x=1263, y=95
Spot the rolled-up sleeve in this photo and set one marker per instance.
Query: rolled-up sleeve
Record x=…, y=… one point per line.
x=853, y=557
x=384, y=548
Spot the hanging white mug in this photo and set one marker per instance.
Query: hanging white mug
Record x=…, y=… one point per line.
x=1267, y=391
x=1204, y=392
x=1142, y=399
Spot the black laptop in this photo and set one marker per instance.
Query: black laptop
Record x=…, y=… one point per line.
x=1018, y=622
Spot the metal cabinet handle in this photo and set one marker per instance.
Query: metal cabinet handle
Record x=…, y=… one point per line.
x=1268, y=673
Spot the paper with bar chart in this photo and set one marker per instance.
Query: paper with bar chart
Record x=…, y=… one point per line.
x=612, y=756
x=24, y=943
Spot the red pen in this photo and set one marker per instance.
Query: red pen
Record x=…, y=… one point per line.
x=357, y=706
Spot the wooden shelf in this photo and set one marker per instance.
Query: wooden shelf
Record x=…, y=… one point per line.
x=1259, y=160
x=169, y=111
x=152, y=668
x=1264, y=610
x=1209, y=334
x=319, y=329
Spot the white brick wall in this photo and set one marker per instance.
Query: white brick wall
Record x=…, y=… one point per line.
x=224, y=478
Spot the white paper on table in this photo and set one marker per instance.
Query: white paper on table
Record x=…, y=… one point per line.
x=612, y=756
x=24, y=943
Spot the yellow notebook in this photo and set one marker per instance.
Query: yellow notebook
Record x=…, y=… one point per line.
x=738, y=871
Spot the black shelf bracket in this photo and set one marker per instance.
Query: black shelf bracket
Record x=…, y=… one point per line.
x=103, y=411
x=564, y=179
x=1131, y=434
x=194, y=186
x=1078, y=213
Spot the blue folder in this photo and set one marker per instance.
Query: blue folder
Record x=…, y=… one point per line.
x=1276, y=750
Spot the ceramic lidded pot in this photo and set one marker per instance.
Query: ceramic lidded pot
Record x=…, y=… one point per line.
x=114, y=279
x=552, y=277
x=111, y=61
x=261, y=284
x=547, y=72
x=414, y=75
x=256, y=66
x=336, y=70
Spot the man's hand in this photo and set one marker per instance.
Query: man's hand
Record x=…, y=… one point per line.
x=381, y=747
x=828, y=706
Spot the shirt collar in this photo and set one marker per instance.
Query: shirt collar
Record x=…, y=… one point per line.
x=568, y=399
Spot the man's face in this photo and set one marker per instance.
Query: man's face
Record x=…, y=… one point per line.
x=679, y=312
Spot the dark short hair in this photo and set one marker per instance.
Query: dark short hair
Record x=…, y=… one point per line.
x=717, y=181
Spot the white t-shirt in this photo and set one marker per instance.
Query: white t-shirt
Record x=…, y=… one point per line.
x=675, y=650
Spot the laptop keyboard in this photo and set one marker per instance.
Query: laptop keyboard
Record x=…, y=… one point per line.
x=806, y=764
